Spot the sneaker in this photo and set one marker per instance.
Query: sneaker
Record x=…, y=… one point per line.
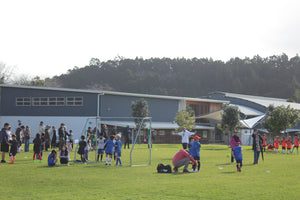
x=40, y=161
x=3, y=161
x=175, y=169
x=105, y=163
x=33, y=161
x=11, y=162
x=186, y=171
x=109, y=163
x=68, y=165
x=240, y=169
x=120, y=165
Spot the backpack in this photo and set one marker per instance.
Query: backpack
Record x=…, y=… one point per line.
x=161, y=168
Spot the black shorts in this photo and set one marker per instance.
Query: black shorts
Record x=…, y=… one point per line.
x=4, y=147
x=12, y=154
x=118, y=154
x=64, y=161
x=184, y=145
x=196, y=157
x=283, y=148
x=239, y=161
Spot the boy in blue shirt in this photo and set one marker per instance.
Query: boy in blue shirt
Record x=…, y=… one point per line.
x=118, y=148
x=237, y=153
x=52, y=158
x=109, y=149
x=195, y=151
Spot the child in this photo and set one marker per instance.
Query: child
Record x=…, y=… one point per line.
x=82, y=145
x=276, y=144
x=296, y=144
x=237, y=153
x=64, y=156
x=37, y=147
x=264, y=142
x=190, y=144
x=283, y=144
x=43, y=139
x=70, y=145
x=118, y=149
x=87, y=147
x=13, y=149
x=289, y=144
x=101, y=143
x=195, y=151
x=109, y=148
x=52, y=158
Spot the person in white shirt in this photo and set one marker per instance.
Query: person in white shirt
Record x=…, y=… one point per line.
x=185, y=134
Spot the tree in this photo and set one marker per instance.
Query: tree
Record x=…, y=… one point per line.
x=5, y=72
x=139, y=110
x=230, y=119
x=25, y=80
x=185, y=119
x=280, y=118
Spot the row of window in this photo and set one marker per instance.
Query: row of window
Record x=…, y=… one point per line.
x=49, y=101
x=200, y=109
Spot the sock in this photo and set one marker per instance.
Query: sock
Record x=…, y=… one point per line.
x=11, y=159
x=106, y=160
x=101, y=157
x=109, y=160
x=198, y=165
x=34, y=156
x=117, y=161
x=14, y=158
x=98, y=157
x=40, y=156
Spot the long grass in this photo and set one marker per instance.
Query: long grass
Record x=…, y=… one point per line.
x=277, y=177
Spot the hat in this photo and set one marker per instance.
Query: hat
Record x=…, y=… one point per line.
x=183, y=128
x=197, y=137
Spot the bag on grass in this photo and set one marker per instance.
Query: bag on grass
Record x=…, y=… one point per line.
x=161, y=168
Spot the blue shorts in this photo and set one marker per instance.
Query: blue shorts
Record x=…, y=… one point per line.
x=100, y=151
x=86, y=152
x=118, y=154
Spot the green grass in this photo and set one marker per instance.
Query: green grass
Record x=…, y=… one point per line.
x=218, y=178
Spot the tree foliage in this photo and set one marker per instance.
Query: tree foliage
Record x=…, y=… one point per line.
x=139, y=110
x=274, y=76
x=280, y=118
x=185, y=119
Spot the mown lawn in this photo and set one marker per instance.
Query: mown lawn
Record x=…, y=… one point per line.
x=277, y=177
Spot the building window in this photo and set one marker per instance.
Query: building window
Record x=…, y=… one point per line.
x=204, y=134
x=56, y=101
x=40, y=101
x=200, y=109
x=74, y=101
x=161, y=132
x=23, y=101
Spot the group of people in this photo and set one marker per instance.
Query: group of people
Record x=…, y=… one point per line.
x=287, y=145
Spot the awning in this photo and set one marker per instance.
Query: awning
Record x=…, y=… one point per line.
x=250, y=123
x=155, y=125
x=213, y=116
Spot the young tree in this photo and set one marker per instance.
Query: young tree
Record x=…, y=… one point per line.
x=280, y=118
x=185, y=119
x=139, y=110
x=230, y=119
x=5, y=72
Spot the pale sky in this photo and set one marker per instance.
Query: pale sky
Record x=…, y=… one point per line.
x=47, y=38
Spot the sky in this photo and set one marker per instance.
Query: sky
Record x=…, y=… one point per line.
x=46, y=38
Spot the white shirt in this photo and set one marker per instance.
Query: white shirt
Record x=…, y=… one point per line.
x=185, y=136
x=101, y=143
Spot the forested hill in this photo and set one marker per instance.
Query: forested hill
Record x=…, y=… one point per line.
x=274, y=76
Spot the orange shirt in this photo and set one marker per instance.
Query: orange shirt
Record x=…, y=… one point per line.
x=283, y=142
x=289, y=144
x=296, y=142
x=265, y=141
x=276, y=143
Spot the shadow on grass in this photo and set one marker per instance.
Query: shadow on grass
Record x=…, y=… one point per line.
x=224, y=164
x=228, y=172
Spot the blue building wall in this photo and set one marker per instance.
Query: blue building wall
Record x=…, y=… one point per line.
x=160, y=109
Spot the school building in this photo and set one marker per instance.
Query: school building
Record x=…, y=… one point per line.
x=78, y=109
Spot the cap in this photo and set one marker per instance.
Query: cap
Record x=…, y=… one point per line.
x=183, y=128
x=197, y=137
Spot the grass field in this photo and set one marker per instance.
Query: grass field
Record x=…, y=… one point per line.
x=277, y=177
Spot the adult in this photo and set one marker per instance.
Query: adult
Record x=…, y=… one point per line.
x=104, y=131
x=182, y=158
x=257, y=146
x=185, y=134
x=54, y=138
x=27, y=137
x=4, y=141
x=42, y=128
x=127, y=133
x=47, y=138
x=62, y=135
x=234, y=140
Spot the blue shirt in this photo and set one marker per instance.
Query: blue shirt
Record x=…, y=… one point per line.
x=51, y=161
x=109, y=147
x=238, y=153
x=195, y=150
x=118, y=146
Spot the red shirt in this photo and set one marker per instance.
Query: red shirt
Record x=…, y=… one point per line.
x=283, y=142
x=296, y=142
x=181, y=155
x=289, y=144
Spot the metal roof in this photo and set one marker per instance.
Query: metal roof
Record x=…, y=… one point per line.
x=114, y=93
x=248, y=111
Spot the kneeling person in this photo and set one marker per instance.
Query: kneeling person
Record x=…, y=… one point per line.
x=64, y=156
x=182, y=158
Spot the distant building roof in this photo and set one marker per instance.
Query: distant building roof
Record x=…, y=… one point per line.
x=248, y=111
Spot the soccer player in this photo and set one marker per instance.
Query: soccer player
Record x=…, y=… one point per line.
x=264, y=142
x=13, y=149
x=195, y=151
x=118, y=149
x=109, y=149
x=283, y=144
x=237, y=153
x=276, y=144
x=101, y=143
x=296, y=144
x=289, y=144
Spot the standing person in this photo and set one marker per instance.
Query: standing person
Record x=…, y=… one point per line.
x=62, y=135
x=47, y=138
x=4, y=136
x=52, y=160
x=195, y=151
x=43, y=142
x=264, y=142
x=234, y=140
x=182, y=158
x=82, y=145
x=101, y=143
x=54, y=138
x=289, y=144
x=127, y=134
x=104, y=131
x=37, y=147
x=19, y=133
x=257, y=145
x=87, y=147
x=296, y=144
x=13, y=149
x=42, y=128
x=118, y=149
x=109, y=150
x=276, y=144
x=283, y=144
x=27, y=137
x=64, y=156
x=185, y=134
x=237, y=153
